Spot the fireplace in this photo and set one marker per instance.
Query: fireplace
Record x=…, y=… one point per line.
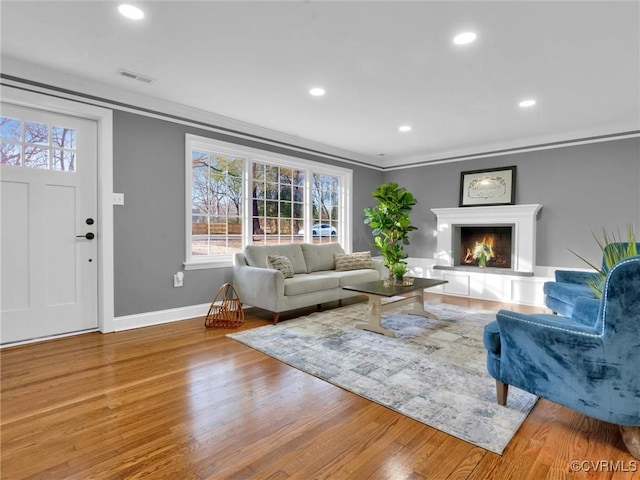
x=496, y=239
x=510, y=231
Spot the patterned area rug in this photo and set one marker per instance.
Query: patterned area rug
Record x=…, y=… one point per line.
x=434, y=371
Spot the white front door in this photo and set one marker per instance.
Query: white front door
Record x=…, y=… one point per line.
x=49, y=268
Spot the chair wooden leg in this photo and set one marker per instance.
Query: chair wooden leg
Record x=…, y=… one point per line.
x=631, y=439
x=276, y=315
x=502, y=390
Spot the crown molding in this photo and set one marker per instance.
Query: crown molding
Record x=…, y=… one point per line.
x=518, y=146
x=18, y=73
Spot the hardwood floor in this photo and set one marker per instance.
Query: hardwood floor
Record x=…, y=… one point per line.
x=179, y=402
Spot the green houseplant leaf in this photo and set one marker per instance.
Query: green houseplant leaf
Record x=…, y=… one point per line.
x=613, y=250
x=390, y=222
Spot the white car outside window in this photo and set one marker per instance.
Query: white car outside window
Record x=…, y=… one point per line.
x=322, y=230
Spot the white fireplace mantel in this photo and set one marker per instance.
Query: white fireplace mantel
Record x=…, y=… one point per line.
x=522, y=217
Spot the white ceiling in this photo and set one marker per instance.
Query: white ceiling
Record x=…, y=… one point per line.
x=383, y=64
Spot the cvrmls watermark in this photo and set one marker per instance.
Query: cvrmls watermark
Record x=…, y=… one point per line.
x=604, y=466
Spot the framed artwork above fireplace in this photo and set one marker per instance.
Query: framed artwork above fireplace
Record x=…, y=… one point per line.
x=494, y=186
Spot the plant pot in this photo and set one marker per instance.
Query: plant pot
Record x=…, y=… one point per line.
x=482, y=262
x=398, y=279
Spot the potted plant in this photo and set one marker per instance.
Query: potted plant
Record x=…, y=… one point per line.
x=613, y=250
x=398, y=271
x=390, y=222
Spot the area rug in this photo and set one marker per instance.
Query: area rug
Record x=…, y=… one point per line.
x=434, y=371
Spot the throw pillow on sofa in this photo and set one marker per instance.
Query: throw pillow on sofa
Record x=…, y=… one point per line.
x=353, y=261
x=282, y=263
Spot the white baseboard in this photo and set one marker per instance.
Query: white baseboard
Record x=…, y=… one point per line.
x=147, y=319
x=525, y=290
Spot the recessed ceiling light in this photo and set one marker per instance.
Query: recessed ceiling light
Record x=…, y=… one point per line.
x=464, y=38
x=527, y=103
x=317, y=91
x=129, y=11
x=405, y=128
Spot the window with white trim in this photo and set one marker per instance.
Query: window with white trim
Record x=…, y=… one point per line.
x=38, y=145
x=238, y=196
x=216, y=203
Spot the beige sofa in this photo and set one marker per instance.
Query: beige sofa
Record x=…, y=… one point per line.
x=315, y=279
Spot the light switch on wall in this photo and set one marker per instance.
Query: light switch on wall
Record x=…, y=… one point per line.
x=118, y=198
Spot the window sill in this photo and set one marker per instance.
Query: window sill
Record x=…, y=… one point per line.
x=207, y=264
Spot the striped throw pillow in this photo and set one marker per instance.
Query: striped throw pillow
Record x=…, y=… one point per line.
x=282, y=263
x=352, y=261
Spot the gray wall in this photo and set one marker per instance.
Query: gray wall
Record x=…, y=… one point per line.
x=582, y=188
x=149, y=238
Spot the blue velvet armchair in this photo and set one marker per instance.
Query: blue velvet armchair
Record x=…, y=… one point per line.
x=589, y=363
x=561, y=295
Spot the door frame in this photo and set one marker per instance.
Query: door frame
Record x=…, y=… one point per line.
x=104, y=119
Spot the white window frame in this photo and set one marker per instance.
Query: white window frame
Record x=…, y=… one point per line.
x=196, y=142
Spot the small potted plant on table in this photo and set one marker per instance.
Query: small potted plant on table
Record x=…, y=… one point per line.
x=399, y=270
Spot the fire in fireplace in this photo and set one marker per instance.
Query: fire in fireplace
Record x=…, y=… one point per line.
x=498, y=242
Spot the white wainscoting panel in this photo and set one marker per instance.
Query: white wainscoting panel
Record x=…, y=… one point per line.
x=458, y=283
x=526, y=290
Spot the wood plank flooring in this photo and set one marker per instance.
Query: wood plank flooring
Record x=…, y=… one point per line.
x=180, y=402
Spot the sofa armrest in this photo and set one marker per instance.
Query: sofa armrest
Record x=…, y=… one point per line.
x=259, y=287
x=571, y=276
x=382, y=270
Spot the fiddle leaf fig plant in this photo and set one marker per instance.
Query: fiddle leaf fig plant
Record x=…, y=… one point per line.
x=390, y=222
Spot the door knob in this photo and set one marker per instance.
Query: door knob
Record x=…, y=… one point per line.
x=88, y=236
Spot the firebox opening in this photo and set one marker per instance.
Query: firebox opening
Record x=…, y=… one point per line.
x=498, y=241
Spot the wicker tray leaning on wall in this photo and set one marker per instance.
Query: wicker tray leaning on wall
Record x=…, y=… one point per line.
x=225, y=310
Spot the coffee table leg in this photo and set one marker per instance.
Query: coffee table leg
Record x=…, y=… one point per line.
x=420, y=311
x=374, y=318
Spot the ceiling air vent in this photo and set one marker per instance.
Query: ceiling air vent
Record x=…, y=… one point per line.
x=135, y=76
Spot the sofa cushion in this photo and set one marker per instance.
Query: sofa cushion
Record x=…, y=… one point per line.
x=353, y=261
x=319, y=257
x=256, y=255
x=305, y=283
x=351, y=277
x=282, y=263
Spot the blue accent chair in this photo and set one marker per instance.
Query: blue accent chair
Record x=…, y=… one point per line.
x=561, y=296
x=589, y=363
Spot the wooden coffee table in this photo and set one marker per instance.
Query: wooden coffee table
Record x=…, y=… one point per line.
x=383, y=296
